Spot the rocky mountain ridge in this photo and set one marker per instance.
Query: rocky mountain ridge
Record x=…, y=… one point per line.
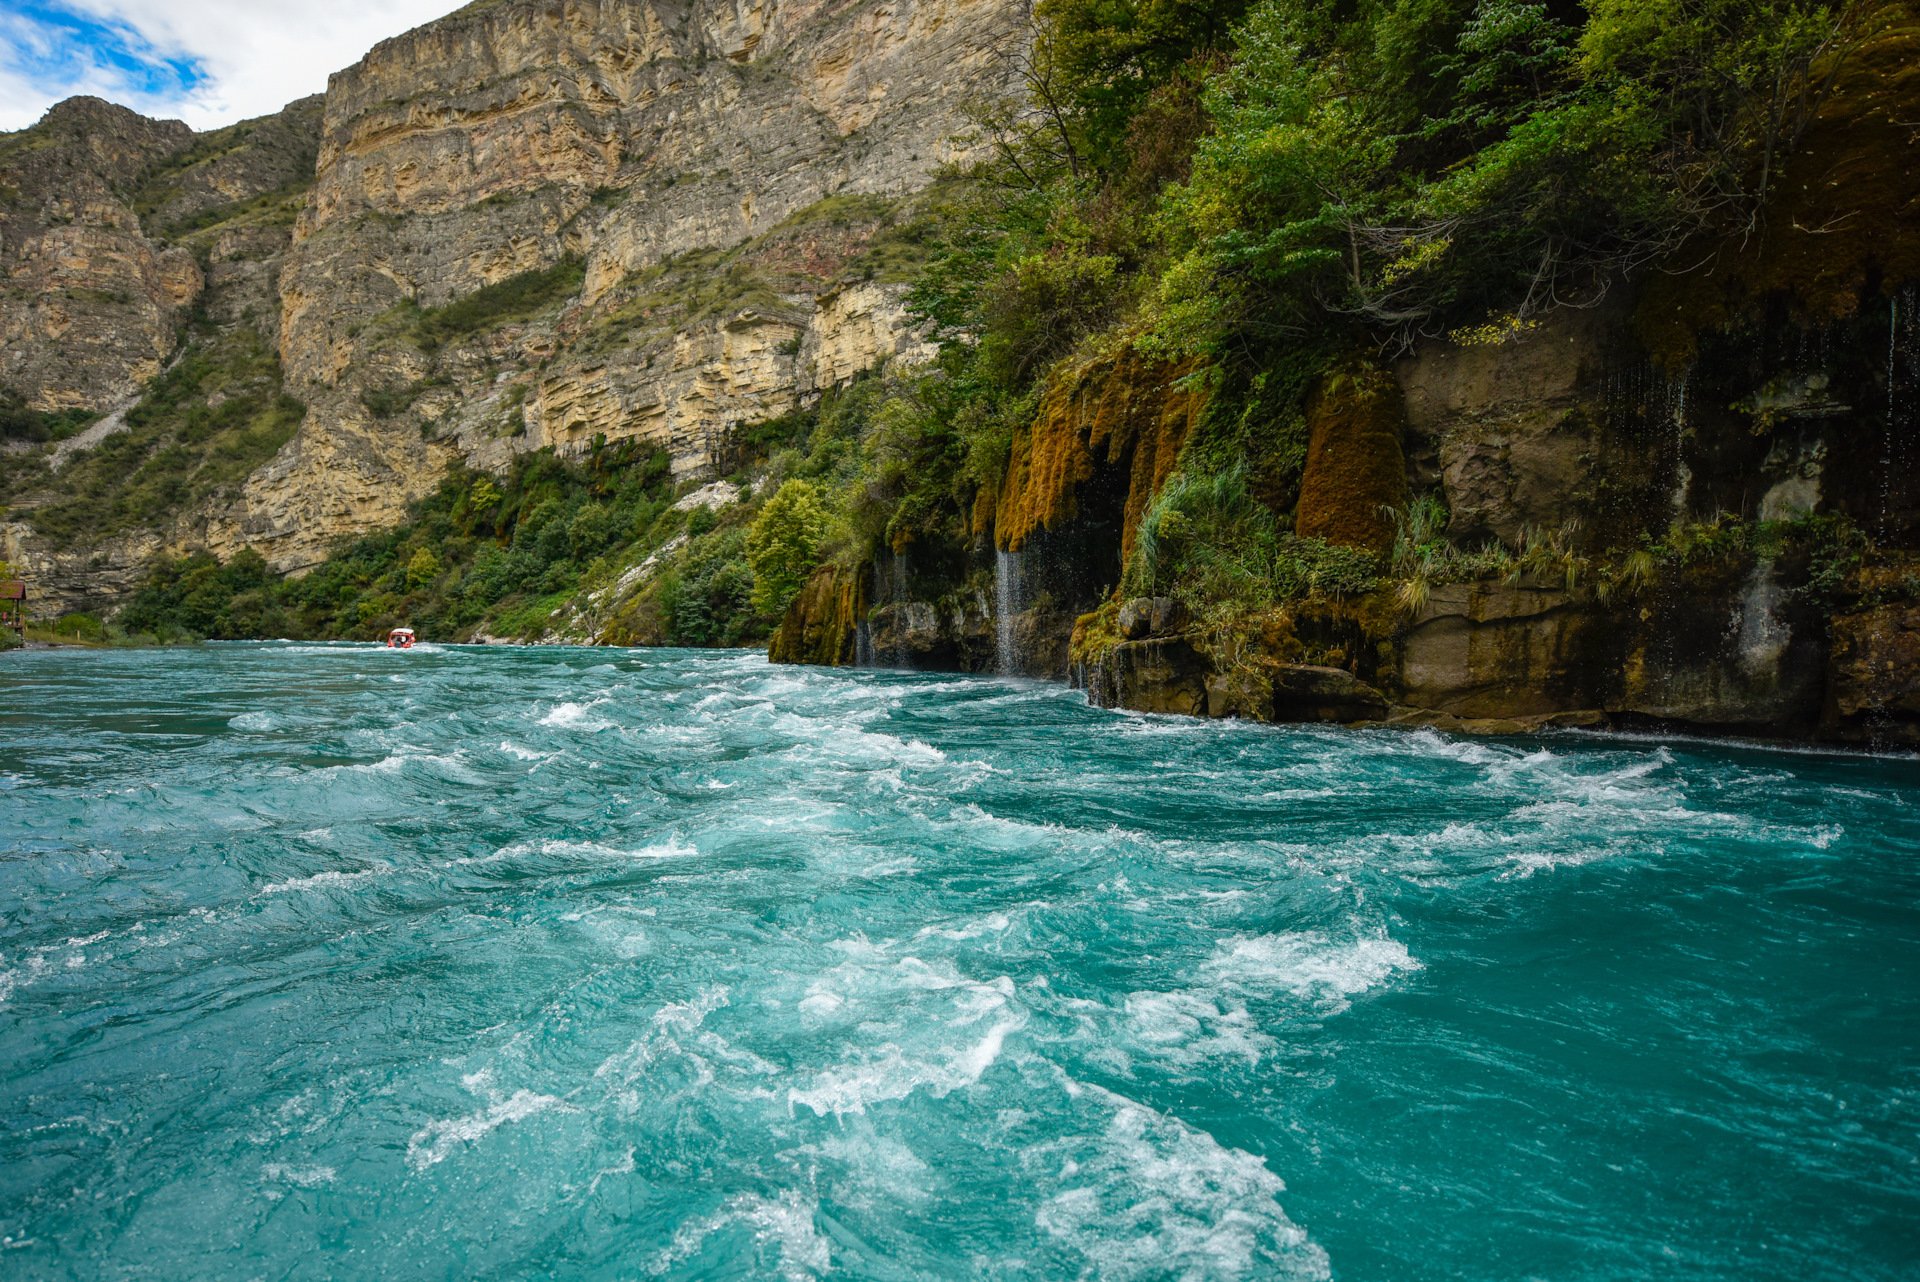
x=524, y=225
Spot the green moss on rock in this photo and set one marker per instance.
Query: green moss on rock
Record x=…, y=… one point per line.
x=1356, y=472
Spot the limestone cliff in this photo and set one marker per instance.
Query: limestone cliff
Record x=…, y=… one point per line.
x=532, y=223
x=143, y=263
x=717, y=173
x=92, y=306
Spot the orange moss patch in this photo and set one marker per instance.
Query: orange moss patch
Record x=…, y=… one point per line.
x=1355, y=469
x=1124, y=410
x=980, y=518
x=820, y=625
x=1844, y=215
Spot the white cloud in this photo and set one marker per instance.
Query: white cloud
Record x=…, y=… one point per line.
x=246, y=57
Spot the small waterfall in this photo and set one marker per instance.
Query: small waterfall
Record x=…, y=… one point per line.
x=1009, y=594
x=889, y=594
x=1682, y=474
x=1645, y=403
x=864, y=655
x=1760, y=633
x=1903, y=395
x=897, y=588
x=863, y=644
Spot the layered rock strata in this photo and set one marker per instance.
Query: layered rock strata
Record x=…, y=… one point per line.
x=533, y=223
x=717, y=175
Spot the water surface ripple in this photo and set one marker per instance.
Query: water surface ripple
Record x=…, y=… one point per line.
x=325, y=961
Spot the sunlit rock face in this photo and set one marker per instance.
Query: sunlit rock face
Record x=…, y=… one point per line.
x=662, y=147
x=527, y=224
x=92, y=306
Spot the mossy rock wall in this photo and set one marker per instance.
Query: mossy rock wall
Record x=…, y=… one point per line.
x=1356, y=470
x=821, y=626
x=1125, y=412
x=1842, y=219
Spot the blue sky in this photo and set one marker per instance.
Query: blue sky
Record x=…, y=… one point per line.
x=208, y=62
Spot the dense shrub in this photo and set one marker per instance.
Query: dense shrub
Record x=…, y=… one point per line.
x=515, y=298
x=783, y=545
x=19, y=423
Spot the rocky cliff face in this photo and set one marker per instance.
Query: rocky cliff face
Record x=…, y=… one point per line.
x=136, y=247
x=92, y=306
x=532, y=223
x=1693, y=506
x=1723, y=547
x=717, y=173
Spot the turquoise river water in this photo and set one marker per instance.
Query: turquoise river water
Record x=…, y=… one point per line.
x=333, y=962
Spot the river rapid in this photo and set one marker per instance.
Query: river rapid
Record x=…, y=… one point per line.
x=334, y=962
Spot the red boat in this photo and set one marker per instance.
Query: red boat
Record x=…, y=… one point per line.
x=400, y=639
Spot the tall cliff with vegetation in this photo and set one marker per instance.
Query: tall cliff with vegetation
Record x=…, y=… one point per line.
x=531, y=240
x=1486, y=363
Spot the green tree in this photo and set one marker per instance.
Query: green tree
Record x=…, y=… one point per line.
x=422, y=568
x=1096, y=61
x=783, y=544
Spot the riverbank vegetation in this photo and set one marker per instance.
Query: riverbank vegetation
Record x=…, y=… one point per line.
x=554, y=549
x=1217, y=204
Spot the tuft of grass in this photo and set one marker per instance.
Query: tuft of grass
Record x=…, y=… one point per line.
x=515, y=298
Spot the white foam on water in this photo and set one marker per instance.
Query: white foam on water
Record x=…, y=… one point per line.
x=436, y=1141
x=1525, y=863
x=1000, y=832
x=674, y=847
x=305, y=1177
x=523, y=754
x=883, y=1166
x=1866, y=794
x=331, y=879
x=1629, y=788
x=991, y=924
x=678, y=1031
x=1432, y=744
x=578, y=716
x=258, y=719
x=950, y=1003
x=968, y=773
x=790, y=812
x=1562, y=810
x=691, y=1014
x=904, y=865
x=1193, y=1028
x=891, y=1075
x=1152, y=1197
x=1307, y=964
x=853, y=746
x=387, y=765
x=784, y=1223
x=910, y=752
